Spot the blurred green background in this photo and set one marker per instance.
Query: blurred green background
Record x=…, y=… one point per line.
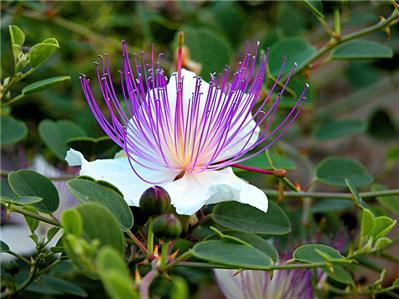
x=353, y=104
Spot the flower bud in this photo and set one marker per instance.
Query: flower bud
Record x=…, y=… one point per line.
x=154, y=201
x=167, y=227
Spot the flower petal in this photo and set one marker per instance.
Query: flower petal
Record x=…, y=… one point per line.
x=192, y=191
x=119, y=173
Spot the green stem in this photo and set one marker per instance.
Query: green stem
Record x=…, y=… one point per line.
x=150, y=238
x=333, y=43
x=337, y=23
x=18, y=256
x=137, y=242
x=16, y=99
x=337, y=195
x=164, y=256
x=34, y=215
x=270, y=268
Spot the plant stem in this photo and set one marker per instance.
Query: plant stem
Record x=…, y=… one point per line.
x=137, y=241
x=34, y=215
x=164, y=256
x=333, y=43
x=18, y=256
x=337, y=195
x=150, y=239
x=275, y=267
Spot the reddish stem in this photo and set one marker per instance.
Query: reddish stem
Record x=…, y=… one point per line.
x=277, y=172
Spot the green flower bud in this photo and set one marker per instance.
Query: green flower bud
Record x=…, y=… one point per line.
x=154, y=201
x=167, y=227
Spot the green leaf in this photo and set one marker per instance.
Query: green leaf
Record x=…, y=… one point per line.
x=382, y=226
x=30, y=183
x=339, y=273
x=59, y=285
x=44, y=84
x=358, y=200
x=88, y=191
x=4, y=247
x=232, y=254
x=334, y=170
x=315, y=6
x=257, y=242
x=56, y=133
x=278, y=161
x=337, y=129
x=308, y=253
x=114, y=274
x=17, y=35
x=180, y=288
x=245, y=218
x=33, y=223
x=90, y=147
x=361, y=49
x=72, y=222
x=99, y=224
x=39, y=53
x=330, y=205
x=391, y=202
x=381, y=243
x=21, y=201
x=208, y=48
x=367, y=223
x=11, y=130
x=295, y=49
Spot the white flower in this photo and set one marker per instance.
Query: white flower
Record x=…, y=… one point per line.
x=183, y=133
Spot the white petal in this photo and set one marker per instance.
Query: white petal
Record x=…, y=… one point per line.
x=192, y=191
x=119, y=173
x=229, y=283
x=189, y=83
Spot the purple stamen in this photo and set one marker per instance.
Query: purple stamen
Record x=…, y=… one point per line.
x=177, y=128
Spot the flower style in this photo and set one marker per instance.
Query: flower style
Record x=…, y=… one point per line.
x=182, y=134
x=251, y=284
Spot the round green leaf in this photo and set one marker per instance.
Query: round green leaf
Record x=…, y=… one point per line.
x=44, y=84
x=257, y=242
x=11, y=130
x=362, y=49
x=99, y=224
x=341, y=128
x=231, y=254
x=89, y=191
x=56, y=133
x=245, y=218
x=91, y=146
x=308, y=253
x=30, y=183
x=334, y=170
x=114, y=274
x=208, y=48
x=39, y=53
x=295, y=50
